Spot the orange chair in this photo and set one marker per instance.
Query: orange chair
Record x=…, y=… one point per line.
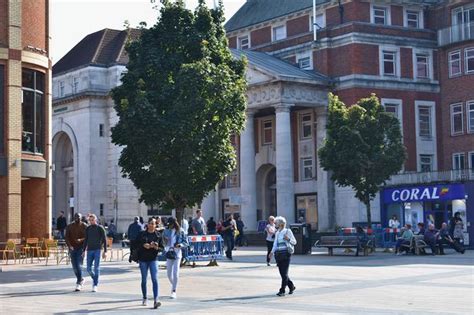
x=11, y=248
x=32, y=247
x=51, y=248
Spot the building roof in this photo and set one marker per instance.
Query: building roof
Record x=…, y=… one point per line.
x=103, y=48
x=279, y=68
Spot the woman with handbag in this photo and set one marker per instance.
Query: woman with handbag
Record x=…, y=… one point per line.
x=270, y=236
x=175, y=241
x=150, y=243
x=283, y=247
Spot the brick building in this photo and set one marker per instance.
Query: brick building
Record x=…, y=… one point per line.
x=25, y=109
x=417, y=56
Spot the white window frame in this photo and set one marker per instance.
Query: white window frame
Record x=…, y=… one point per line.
x=470, y=156
x=390, y=49
x=429, y=55
x=421, y=24
x=304, y=55
x=466, y=50
x=274, y=39
x=323, y=22
x=303, y=167
x=430, y=156
x=388, y=19
x=263, y=131
x=239, y=43
x=61, y=89
x=450, y=62
x=452, y=106
x=303, y=123
x=399, y=104
x=75, y=85
x=469, y=113
x=458, y=155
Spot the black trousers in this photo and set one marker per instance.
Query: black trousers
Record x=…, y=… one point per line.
x=283, y=267
x=269, y=249
x=432, y=245
x=453, y=245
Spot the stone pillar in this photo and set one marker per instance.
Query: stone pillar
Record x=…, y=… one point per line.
x=248, y=182
x=284, y=164
x=325, y=186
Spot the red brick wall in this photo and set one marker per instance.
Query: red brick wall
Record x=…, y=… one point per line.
x=297, y=26
x=261, y=36
x=233, y=42
x=34, y=23
x=351, y=96
x=3, y=23
x=353, y=11
x=34, y=211
x=363, y=60
x=406, y=60
x=396, y=15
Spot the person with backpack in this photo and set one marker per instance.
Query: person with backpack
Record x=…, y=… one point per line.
x=283, y=247
x=150, y=244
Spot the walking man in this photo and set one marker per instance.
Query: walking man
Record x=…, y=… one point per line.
x=228, y=228
x=198, y=224
x=61, y=224
x=95, y=239
x=75, y=235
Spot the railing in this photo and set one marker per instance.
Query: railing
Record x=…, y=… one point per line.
x=456, y=33
x=431, y=177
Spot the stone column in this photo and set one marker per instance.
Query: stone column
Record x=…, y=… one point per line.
x=284, y=164
x=248, y=182
x=325, y=187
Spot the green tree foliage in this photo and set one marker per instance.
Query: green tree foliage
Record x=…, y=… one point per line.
x=363, y=147
x=180, y=100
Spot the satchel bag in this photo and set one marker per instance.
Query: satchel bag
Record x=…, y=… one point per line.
x=170, y=254
x=290, y=247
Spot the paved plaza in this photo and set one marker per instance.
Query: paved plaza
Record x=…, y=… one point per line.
x=381, y=283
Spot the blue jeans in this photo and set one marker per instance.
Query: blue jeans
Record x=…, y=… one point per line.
x=153, y=266
x=229, y=244
x=76, y=262
x=93, y=256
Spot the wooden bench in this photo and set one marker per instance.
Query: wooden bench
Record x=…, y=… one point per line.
x=331, y=242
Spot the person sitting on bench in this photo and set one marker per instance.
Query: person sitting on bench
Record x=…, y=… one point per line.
x=405, y=238
x=430, y=237
x=363, y=239
x=445, y=238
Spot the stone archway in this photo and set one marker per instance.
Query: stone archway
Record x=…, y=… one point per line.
x=63, y=175
x=266, y=190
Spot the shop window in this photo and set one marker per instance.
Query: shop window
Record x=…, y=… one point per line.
x=267, y=132
x=33, y=111
x=279, y=32
x=2, y=107
x=306, y=126
x=457, y=119
x=458, y=161
x=380, y=15
x=470, y=116
x=424, y=121
x=454, y=61
x=426, y=163
x=307, y=168
x=422, y=66
x=243, y=42
x=469, y=59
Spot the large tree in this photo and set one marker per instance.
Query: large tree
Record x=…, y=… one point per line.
x=363, y=147
x=180, y=101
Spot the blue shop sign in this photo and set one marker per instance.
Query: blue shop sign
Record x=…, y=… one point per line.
x=424, y=193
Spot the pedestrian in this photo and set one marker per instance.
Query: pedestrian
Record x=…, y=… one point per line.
x=228, y=229
x=270, y=236
x=211, y=226
x=61, y=224
x=134, y=230
x=94, y=241
x=405, y=238
x=393, y=223
x=112, y=229
x=283, y=247
x=198, y=224
x=445, y=238
x=174, y=240
x=75, y=235
x=151, y=243
x=142, y=223
x=240, y=227
x=458, y=230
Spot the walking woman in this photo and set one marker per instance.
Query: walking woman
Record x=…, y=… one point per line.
x=283, y=247
x=151, y=243
x=270, y=232
x=175, y=241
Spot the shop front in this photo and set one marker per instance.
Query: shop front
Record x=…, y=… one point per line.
x=430, y=204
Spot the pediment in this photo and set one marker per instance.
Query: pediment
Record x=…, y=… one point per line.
x=257, y=76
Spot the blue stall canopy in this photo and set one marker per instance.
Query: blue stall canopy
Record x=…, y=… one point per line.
x=424, y=193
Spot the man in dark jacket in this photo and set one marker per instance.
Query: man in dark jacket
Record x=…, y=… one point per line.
x=134, y=230
x=95, y=240
x=75, y=235
x=61, y=224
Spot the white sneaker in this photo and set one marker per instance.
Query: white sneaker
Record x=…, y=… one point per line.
x=144, y=302
x=94, y=288
x=173, y=295
x=78, y=287
x=82, y=282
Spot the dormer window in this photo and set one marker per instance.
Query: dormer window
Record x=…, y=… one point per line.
x=243, y=42
x=279, y=32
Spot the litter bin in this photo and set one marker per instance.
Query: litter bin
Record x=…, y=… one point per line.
x=302, y=233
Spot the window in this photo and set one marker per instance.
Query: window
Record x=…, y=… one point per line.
x=305, y=126
x=61, y=88
x=307, y=168
x=232, y=179
x=101, y=130
x=304, y=63
x=33, y=111
x=75, y=85
x=389, y=63
x=412, y=19
x=2, y=102
x=457, y=119
x=380, y=15
x=469, y=59
x=243, y=42
x=320, y=22
x=426, y=163
x=471, y=163
x=422, y=66
x=394, y=107
x=424, y=120
x=267, y=132
x=458, y=161
x=470, y=116
x=279, y=32
x=454, y=60
x=101, y=209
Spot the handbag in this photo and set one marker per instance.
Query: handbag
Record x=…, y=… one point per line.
x=170, y=254
x=290, y=247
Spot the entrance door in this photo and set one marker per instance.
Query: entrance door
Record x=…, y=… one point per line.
x=436, y=212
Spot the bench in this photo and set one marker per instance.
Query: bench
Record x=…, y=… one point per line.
x=331, y=242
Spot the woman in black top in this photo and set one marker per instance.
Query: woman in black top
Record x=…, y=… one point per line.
x=151, y=243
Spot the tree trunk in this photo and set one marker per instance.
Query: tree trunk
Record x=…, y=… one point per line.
x=179, y=214
x=369, y=217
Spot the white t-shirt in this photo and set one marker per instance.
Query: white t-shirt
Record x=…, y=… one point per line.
x=394, y=224
x=270, y=231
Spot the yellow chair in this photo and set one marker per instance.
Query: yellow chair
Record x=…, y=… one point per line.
x=11, y=248
x=51, y=248
x=32, y=247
